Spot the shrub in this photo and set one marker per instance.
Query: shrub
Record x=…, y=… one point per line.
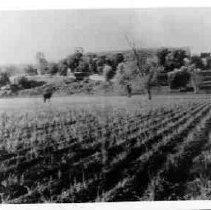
x=178, y=78
x=108, y=70
x=83, y=66
x=171, y=59
x=127, y=73
x=197, y=61
x=53, y=68
x=161, y=54
x=42, y=63
x=4, y=79
x=162, y=79
x=63, y=67
x=14, y=88
x=30, y=70
x=24, y=83
x=115, y=60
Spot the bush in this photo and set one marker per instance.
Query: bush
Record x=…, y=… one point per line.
x=63, y=68
x=127, y=73
x=24, y=83
x=83, y=66
x=161, y=54
x=178, y=78
x=4, y=79
x=197, y=61
x=162, y=79
x=171, y=59
x=30, y=70
x=53, y=68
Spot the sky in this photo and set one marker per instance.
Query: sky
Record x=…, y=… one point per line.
x=57, y=33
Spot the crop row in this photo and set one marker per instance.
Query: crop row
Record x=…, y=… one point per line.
x=24, y=164
x=132, y=187
x=89, y=189
x=65, y=144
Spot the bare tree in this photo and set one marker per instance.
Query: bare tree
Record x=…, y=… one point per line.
x=144, y=71
x=195, y=77
x=42, y=62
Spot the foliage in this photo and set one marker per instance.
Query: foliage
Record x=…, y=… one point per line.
x=178, y=78
x=24, y=83
x=30, y=70
x=162, y=56
x=83, y=66
x=171, y=59
x=42, y=63
x=4, y=79
x=197, y=61
x=115, y=60
x=53, y=68
x=205, y=55
x=107, y=72
x=126, y=72
x=63, y=67
x=73, y=60
x=162, y=78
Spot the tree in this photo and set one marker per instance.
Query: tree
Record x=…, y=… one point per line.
x=4, y=79
x=205, y=55
x=206, y=60
x=92, y=61
x=126, y=72
x=74, y=59
x=162, y=56
x=42, y=63
x=179, y=78
x=114, y=62
x=100, y=63
x=145, y=72
x=197, y=61
x=116, y=59
x=30, y=70
x=53, y=68
x=171, y=59
x=208, y=66
x=108, y=70
x=179, y=56
x=63, y=67
x=195, y=77
x=83, y=66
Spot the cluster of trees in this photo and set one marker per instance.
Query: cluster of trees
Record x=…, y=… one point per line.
x=76, y=62
x=93, y=63
x=183, y=69
x=20, y=82
x=140, y=66
x=172, y=59
x=176, y=66
x=202, y=61
x=175, y=59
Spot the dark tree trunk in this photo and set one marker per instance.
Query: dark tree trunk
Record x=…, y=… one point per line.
x=149, y=93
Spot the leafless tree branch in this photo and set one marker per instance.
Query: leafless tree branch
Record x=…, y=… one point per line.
x=134, y=49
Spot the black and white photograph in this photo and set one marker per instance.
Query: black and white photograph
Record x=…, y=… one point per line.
x=105, y=105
